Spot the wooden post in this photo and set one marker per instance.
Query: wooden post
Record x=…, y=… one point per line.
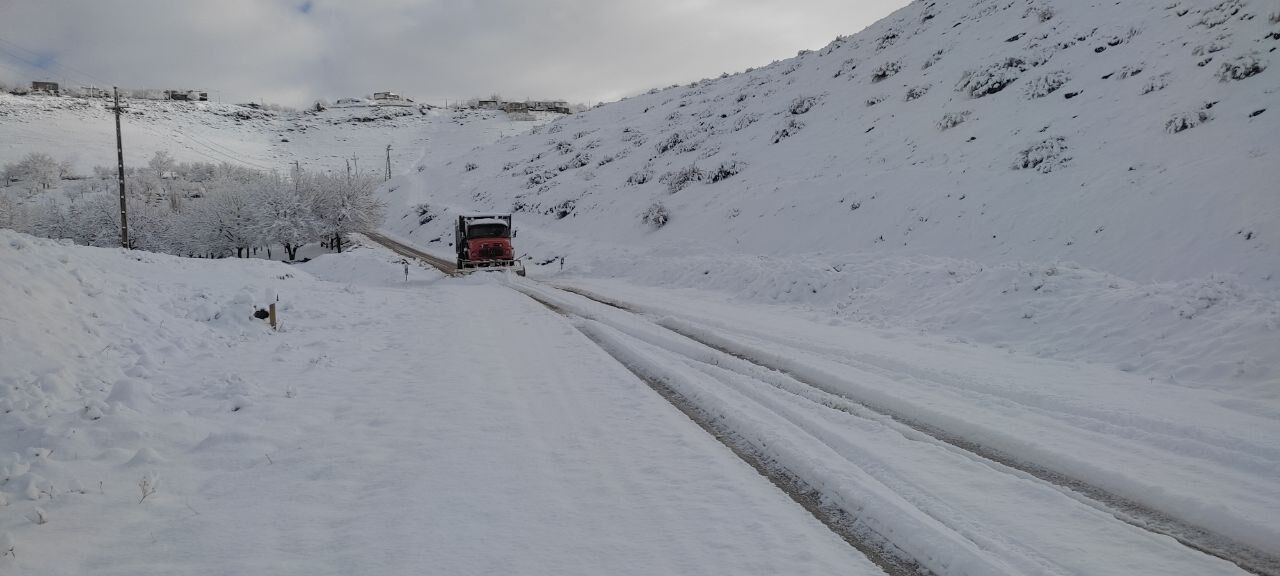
x=271, y=315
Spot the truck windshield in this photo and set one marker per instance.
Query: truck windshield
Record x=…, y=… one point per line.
x=487, y=231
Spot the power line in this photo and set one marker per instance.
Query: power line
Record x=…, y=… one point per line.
x=33, y=61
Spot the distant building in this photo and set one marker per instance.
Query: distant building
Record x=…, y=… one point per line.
x=489, y=104
x=92, y=92
x=515, y=107
x=386, y=96
x=186, y=95
x=45, y=88
x=549, y=106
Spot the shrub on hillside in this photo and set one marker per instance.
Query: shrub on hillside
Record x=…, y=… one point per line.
x=656, y=215
x=791, y=128
x=669, y=143
x=677, y=180
x=1241, y=67
x=1044, y=156
x=726, y=170
x=846, y=69
x=1186, y=120
x=1042, y=86
x=640, y=177
x=1156, y=83
x=915, y=92
x=886, y=70
x=745, y=120
x=991, y=78
x=803, y=104
x=933, y=59
x=952, y=119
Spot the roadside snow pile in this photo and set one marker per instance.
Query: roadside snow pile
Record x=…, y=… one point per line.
x=1210, y=332
x=83, y=334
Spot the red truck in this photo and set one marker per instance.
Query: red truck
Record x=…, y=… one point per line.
x=484, y=241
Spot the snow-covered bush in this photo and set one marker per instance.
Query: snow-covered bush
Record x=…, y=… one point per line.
x=579, y=160
x=669, y=143
x=639, y=177
x=745, y=120
x=872, y=101
x=933, y=59
x=1186, y=120
x=846, y=68
x=915, y=92
x=1241, y=67
x=677, y=180
x=991, y=78
x=1042, y=13
x=656, y=215
x=803, y=104
x=425, y=213
x=952, y=119
x=470, y=167
x=726, y=170
x=1156, y=83
x=791, y=128
x=1045, y=85
x=1044, y=156
x=889, y=38
x=886, y=70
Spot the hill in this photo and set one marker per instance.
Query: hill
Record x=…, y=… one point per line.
x=1065, y=179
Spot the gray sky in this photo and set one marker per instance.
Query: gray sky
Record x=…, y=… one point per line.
x=294, y=51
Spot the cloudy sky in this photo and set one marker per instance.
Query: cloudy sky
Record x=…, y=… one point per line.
x=294, y=51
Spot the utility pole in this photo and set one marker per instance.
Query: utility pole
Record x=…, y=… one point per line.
x=356, y=161
x=388, y=163
x=297, y=173
x=124, y=206
x=348, y=170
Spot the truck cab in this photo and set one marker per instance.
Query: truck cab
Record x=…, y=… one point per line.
x=484, y=241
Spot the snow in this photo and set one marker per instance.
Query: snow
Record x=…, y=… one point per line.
x=1065, y=224
x=387, y=428
x=1207, y=457
x=253, y=138
x=1041, y=229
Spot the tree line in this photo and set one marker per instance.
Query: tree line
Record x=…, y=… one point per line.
x=190, y=209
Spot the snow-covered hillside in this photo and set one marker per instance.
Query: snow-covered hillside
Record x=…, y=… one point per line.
x=987, y=130
x=82, y=131
x=1074, y=180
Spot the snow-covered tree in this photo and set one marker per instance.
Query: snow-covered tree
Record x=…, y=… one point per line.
x=95, y=220
x=343, y=204
x=49, y=220
x=39, y=170
x=284, y=215
x=222, y=223
x=160, y=163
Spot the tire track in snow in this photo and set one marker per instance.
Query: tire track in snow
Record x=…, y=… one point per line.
x=1123, y=509
x=876, y=547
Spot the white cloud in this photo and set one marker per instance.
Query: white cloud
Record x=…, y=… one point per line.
x=580, y=50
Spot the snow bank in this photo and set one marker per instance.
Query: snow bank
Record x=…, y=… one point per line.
x=1213, y=332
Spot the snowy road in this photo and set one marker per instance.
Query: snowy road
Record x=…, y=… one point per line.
x=924, y=496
